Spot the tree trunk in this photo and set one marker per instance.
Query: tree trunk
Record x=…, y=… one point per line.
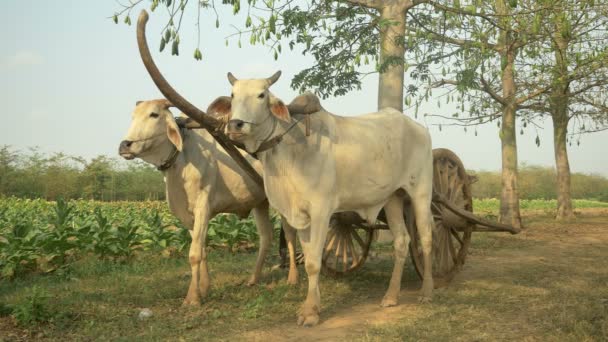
x=509, y=199
x=560, y=130
x=392, y=49
x=559, y=103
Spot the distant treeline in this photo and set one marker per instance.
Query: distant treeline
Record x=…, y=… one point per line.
x=32, y=174
x=536, y=182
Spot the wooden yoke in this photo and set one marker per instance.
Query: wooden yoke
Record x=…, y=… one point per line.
x=209, y=123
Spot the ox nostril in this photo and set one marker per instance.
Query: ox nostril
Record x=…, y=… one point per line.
x=235, y=125
x=126, y=143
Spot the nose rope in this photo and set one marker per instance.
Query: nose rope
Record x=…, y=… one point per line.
x=257, y=123
x=149, y=138
x=272, y=142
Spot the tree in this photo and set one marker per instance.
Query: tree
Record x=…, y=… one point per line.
x=484, y=39
x=98, y=176
x=351, y=30
x=8, y=165
x=574, y=55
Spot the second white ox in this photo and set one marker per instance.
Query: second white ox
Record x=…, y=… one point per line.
x=201, y=182
x=361, y=164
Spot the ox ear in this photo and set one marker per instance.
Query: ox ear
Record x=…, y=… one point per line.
x=278, y=108
x=173, y=133
x=220, y=107
x=137, y=103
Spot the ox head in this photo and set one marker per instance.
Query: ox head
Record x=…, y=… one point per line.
x=253, y=110
x=152, y=125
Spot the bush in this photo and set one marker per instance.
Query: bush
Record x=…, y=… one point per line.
x=536, y=182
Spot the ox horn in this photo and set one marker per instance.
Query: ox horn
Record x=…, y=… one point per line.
x=272, y=79
x=165, y=88
x=231, y=78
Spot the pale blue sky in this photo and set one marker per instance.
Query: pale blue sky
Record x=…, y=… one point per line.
x=69, y=78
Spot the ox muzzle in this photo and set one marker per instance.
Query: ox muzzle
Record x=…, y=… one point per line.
x=124, y=149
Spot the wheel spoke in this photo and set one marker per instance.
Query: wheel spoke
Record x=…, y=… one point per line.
x=456, y=189
x=339, y=243
x=354, y=253
x=437, y=207
x=444, y=177
x=452, y=249
x=331, y=241
x=454, y=178
x=455, y=234
x=345, y=252
x=358, y=238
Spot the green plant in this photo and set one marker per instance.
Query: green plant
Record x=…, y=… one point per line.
x=33, y=309
x=230, y=231
x=18, y=249
x=157, y=234
x=58, y=240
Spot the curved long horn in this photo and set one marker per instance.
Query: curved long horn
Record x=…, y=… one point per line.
x=272, y=79
x=160, y=81
x=231, y=78
x=186, y=107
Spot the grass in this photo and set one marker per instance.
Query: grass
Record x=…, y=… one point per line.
x=519, y=288
x=546, y=284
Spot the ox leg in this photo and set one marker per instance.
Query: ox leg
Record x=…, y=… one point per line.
x=199, y=283
x=264, y=226
x=401, y=240
x=424, y=221
x=313, y=241
x=290, y=237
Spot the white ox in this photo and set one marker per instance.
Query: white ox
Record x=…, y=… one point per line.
x=201, y=182
x=361, y=164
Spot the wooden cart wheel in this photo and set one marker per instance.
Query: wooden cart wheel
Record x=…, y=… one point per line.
x=346, y=247
x=451, y=233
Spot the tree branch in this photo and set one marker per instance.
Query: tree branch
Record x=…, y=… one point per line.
x=375, y=4
x=491, y=92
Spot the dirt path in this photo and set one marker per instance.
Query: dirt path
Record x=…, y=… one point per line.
x=547, y=245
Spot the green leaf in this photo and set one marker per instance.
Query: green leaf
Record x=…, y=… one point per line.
x=272, y=23
x=175, y=48
x=115, y=18
x=197, y=54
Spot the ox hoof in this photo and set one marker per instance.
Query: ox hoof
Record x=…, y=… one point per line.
x=424, y=299
x=387, y=302
x=292, y=280
x=252, y=282
x=308, y=321
x=308, y=317
x=191, y=302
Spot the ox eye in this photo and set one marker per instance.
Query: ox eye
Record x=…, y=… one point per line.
x=232, y=95
x=261, y=96
x=154, y=115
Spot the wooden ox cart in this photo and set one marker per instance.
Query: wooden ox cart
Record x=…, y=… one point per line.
x=349, y=239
